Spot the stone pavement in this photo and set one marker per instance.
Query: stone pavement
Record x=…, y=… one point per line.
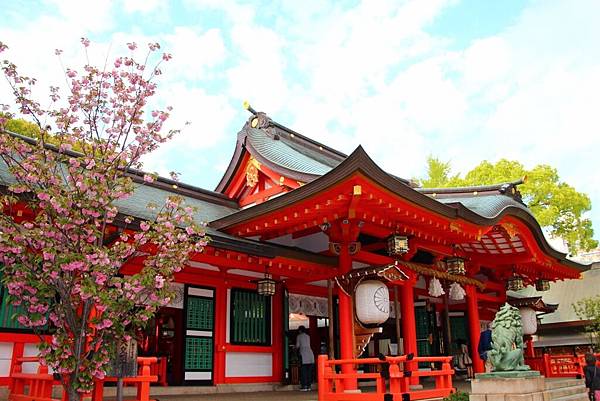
x=267, y=395
x=258, y=396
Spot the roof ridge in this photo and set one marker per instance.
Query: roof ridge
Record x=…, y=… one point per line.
x=500, y=187
x=294, y=134
x=137, y=176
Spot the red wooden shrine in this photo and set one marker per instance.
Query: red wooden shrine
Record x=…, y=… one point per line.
x=305, y=214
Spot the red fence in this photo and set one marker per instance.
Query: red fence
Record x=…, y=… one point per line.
x=38, y=386
x=391, y=370
x=142, y=380
x=559, y=365
x=30, y=386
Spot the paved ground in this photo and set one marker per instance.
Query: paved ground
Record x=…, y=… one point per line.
x=271, y=395
x=259, y=396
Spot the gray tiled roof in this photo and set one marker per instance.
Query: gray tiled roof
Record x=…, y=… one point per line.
x=136, y=205
x=488, y=206
x=288, y=155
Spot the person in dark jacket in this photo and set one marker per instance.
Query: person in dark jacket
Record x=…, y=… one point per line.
x=485, y=345
x=592, y=377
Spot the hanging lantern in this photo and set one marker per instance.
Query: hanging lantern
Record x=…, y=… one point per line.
x=266, y=286
x=397, y=244
x=372, y=300
x=529, y=320
x=456, y=292
x=435, y=288
x=515, y=283
x=542, y=285
x=456, y=266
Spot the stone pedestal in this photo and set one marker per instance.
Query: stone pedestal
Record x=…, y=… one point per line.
x=508, y=386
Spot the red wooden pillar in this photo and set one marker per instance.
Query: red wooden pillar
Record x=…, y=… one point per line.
x=346, y=316
x=409, y=324
x=474, y=328
x=277, y=330
x=220, y=334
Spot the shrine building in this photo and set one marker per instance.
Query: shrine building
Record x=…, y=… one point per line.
x=298, y=233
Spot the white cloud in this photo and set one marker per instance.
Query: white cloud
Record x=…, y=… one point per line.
x=209, y=119
x=195, y=54
x=144, y=6
x=370, y=74
x=82, y=16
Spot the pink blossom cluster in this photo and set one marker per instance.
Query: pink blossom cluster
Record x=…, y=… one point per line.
x=63, y=242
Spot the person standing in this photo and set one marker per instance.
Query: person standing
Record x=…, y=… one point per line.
x=485, y=345
x=307, y=358
x=465, y=360
x=592, y=377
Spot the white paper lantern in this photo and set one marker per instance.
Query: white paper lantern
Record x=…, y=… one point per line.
x=456, y=293
x=435, y=287
x=372, y=300
x=529, y=320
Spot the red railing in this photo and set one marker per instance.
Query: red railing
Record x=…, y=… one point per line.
x=142, y=380
x=559, y=365
x=38, y=386
x=562, y=366
x=30, y=386
x=331, y=383
x=160, y=369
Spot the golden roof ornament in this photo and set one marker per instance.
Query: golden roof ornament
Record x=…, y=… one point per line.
x=252, y=169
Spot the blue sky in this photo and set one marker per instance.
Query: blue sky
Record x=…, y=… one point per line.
x=461, y=80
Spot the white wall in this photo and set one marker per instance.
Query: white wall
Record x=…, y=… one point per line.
x=248, y=364
x=5, y=358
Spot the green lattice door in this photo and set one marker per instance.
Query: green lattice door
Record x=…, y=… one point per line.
x=199, y=335
x=458, y=330
x=424, y=325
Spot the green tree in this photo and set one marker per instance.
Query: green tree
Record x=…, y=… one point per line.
x=588, y=309
x=438, y=174
x=20, y=126
x=554, y=203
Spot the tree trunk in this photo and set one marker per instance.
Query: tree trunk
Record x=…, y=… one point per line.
x=74, y=395
x=120, y=389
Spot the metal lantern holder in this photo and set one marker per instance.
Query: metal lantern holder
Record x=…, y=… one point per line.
x=456, y=266
x=515, y=283
x=542, y=285
x=266, y=286
x=397, y=244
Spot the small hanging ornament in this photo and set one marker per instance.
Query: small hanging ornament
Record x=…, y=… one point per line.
x=435, y=288
x=456, y=293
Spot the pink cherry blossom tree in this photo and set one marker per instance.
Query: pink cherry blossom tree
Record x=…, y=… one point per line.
x=63, y=240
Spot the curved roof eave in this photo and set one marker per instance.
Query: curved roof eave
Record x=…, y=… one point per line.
x=234, y=163
x=359, y=161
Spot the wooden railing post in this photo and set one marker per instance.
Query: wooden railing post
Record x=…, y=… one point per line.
x=322, y=382
x=16, y=386
x=547, y=366
x=143, y=393
x=399, y=381
x=446, y=367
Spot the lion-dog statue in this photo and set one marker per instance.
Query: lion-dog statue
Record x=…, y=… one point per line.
x=507, y=341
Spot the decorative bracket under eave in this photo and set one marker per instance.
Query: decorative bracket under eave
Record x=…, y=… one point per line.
x=348, y=282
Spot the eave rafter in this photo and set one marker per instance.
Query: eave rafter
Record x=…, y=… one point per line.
x=249, y=184
x=360, y=200
x=277, y=265
x=359, y=191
